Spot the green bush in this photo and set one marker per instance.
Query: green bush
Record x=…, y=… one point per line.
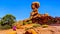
x=36, y=25
x=24, y=23
x=44, y=26
x=5, y=27
x=29, y=28
x=29, y=22
x=33, y=26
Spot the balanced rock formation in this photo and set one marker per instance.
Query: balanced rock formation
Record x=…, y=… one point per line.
x=34, y=13
x=36, y=17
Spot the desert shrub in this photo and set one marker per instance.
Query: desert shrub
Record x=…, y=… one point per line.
x=24, y=23
x=29, y=28
x=33, y=26
x=29, y=22
x=5, y=27
x=0, y=27
x=44, y=26
x=36, y=25
x=51, y=21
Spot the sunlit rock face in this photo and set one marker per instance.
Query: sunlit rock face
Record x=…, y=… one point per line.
x=41, y=18
x=35, y=16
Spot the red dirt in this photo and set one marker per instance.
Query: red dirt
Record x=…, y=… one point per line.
x=48, y=30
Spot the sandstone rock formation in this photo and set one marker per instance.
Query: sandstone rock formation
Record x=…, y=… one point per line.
x=35, y=16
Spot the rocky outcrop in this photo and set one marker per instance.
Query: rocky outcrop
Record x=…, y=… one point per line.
x=35, y=16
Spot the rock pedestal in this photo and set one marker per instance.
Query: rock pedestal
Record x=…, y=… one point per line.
x=36, y=17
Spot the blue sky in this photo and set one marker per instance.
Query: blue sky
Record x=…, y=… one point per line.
x=21, y=8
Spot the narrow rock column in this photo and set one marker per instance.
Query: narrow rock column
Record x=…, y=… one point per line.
x=34, y=16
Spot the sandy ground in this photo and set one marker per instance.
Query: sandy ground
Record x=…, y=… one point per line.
x=19, y=31
x=49, y=30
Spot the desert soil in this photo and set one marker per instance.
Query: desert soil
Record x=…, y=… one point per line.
x=39, y=30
